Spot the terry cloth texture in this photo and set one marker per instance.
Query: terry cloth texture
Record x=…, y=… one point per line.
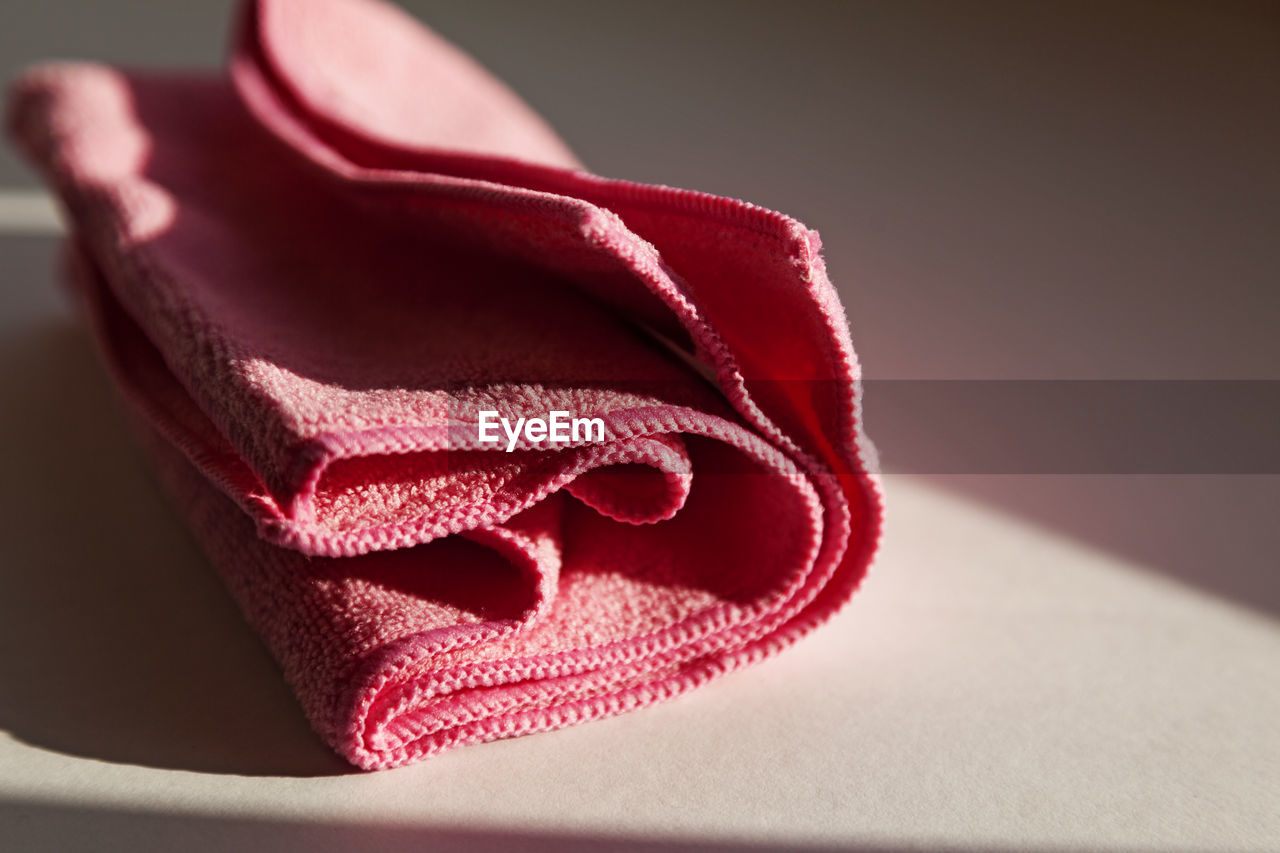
x=309, y=276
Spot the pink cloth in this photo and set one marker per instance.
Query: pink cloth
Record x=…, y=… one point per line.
x=310, y=278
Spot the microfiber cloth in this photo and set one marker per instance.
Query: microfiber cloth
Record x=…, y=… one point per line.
x=313, y=276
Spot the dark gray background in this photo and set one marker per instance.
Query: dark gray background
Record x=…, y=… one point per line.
x=1005, y=190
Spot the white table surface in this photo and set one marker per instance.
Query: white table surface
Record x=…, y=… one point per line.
x=1037, y=662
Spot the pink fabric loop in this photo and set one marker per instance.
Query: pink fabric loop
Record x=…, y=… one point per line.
x=311, y=280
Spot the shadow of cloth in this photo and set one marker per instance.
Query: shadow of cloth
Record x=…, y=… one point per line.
x=1212, y=532
x=1179, y=478
x=117, y=640
x=69, y=828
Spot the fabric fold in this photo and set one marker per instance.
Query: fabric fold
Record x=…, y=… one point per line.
x=313, y=279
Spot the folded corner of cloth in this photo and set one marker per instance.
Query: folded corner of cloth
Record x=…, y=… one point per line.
x=482, y=443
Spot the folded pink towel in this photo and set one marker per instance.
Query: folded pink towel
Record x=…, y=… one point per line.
x=317, y=282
